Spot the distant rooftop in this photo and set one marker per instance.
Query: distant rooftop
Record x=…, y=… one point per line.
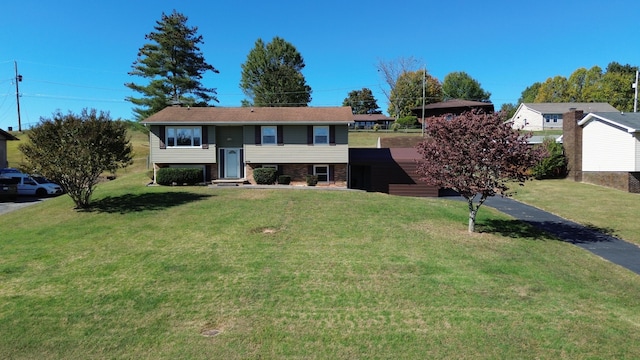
x=561, y=108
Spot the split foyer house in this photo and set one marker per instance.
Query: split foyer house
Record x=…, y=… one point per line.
x=229, y=143
x=549, y=116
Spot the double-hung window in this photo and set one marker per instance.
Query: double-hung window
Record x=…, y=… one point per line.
x=322, y=172
x=320, y=135
x=269, y=135
x=184, y=136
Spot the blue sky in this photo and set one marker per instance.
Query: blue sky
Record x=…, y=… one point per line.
x=76, y=54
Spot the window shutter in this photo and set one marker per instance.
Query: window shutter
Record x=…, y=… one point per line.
x=205, y=137
x=310, y=170
x=163, y=137
x=332, y=135
x=242, y=163
x=331, y=170
x=280, y=136
x=221, y=163
x=207, y=172
x=309, y=134
x=258, y=133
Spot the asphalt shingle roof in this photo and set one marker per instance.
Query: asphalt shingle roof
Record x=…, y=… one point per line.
x=631, y=121
x=251, y=115
x=561, y=108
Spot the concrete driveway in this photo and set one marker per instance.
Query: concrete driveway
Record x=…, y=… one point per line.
x=23, y=201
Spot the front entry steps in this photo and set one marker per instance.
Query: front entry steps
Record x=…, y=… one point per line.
x=230, y=182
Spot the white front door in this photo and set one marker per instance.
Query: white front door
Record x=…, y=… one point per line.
x=231, y=163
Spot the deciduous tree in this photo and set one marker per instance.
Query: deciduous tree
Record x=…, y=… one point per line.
x=75, y=149
x=174, y=66
x=272, y=75
x=509, y=109
x=402, y=77
x=476, y=154
x=459, y=85
x=529, y=94
x=553, y=90
x=592, y=85
x=362, y=102
x=407, y=93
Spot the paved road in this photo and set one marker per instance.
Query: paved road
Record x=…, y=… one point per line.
x=606, y=246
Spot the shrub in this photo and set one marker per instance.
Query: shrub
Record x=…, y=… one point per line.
x=376, y=127
x=312, y=180
x=554, y=164
x=284, y=179
x=395, y=126
x=179, y=176
x=264, y=176
x=407, y=122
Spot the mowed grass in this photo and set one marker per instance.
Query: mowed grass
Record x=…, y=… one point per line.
x=609, y=210
x=302, y=274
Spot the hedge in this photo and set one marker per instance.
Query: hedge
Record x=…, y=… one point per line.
x=179, y=176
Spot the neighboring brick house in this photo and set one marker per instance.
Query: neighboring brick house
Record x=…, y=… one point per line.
x=228, y=143
x=368, y=121
x=4, y=137
x=451, y=107
x=549, y=116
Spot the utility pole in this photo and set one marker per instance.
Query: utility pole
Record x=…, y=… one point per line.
x=18, y=79
x=424, y=80
x=635, y=100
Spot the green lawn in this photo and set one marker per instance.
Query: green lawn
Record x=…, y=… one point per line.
x=299, y=274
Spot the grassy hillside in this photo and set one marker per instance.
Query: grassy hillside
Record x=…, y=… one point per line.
x=152, y=271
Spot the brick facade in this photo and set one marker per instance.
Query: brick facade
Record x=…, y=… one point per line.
x=619, y=180
x=299, y=172
x=572, y=143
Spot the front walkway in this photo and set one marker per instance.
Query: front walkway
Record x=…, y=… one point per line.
x=608, y=247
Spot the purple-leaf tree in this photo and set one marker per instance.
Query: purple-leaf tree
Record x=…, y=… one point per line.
x=477, y=155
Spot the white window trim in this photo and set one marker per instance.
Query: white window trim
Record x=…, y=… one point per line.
x=314, y=135
x=175, y=129
x=275, y=135
x=315, y=172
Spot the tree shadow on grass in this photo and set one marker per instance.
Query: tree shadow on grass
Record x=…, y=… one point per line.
x=130, y=203
x=548, y=230
x=513, y=229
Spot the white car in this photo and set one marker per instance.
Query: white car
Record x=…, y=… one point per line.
x=27, y=185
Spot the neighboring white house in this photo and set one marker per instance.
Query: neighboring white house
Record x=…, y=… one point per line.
x=611, y=142
x=548, y=116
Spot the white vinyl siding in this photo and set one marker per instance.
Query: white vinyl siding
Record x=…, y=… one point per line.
x=528, y=119
x=606, y=148
x=296, y=154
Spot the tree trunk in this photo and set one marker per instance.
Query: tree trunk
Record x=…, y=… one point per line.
x=472, y=216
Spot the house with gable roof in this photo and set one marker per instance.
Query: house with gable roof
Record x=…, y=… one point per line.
x=548, y=116
x=229, y=143
x=611, y=150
